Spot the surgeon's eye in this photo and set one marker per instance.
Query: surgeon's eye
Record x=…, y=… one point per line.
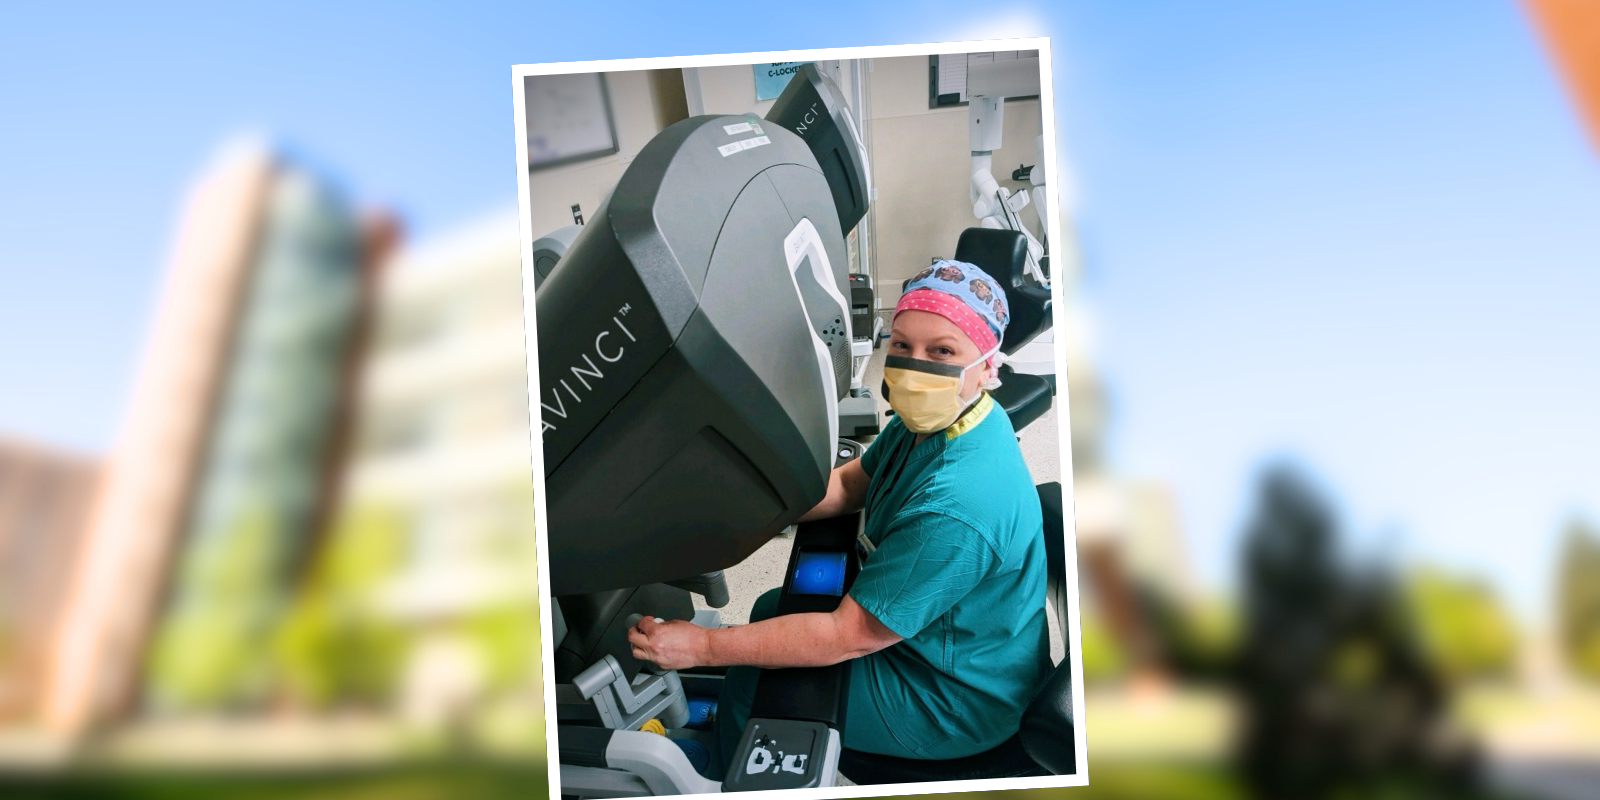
x=898, y=345
x=943, y=352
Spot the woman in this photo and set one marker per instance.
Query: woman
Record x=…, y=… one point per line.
x=946, y=620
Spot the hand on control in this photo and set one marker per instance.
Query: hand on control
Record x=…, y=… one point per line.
x=673, y=644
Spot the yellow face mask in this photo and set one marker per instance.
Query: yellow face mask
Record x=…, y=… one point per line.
x=926, y=395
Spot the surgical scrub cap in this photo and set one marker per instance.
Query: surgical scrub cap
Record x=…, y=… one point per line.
x=963, y=294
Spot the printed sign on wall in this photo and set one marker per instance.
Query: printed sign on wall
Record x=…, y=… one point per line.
x=771, y=78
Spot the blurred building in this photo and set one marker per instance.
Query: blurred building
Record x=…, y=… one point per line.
x=44, y=501
x=1571, y=30
x=320, y=496
x=267, y=475
x=151, y=468
x=443, y=444
x=223, y=466
x=444, y=404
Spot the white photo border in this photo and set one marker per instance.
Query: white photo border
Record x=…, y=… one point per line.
x=529, y=305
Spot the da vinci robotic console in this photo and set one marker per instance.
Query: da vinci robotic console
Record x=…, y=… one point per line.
x=693, y=346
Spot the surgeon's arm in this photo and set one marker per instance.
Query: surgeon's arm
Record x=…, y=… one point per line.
x=847, y=492
x=790, y=640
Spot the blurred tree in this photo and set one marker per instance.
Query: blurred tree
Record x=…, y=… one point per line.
x=507, y=632
x=1103, y=660
x=336, y=644
x=508, y=637
x=1578, y=599
x=1196, y=640
x=1463, y=628
x=1213, y=631
x=205, y=652
x=1338, y=697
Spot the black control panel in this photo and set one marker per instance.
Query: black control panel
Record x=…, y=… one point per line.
x=823, y=565
x=779, y=754
x=814, y=694
x=861, y=311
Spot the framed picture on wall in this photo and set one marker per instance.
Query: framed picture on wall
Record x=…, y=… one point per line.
x=569, y=119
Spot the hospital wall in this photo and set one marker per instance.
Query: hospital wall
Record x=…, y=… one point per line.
x=920, y=161
x=731, y=90
x=919, y=156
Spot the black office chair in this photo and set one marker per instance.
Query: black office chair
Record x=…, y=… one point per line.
x=1045, y=744
x=1003, y=254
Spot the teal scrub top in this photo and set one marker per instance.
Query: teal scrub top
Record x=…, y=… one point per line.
x=959, y=573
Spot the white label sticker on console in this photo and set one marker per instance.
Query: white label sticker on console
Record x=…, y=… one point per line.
x=743, y=127
x=743, y=144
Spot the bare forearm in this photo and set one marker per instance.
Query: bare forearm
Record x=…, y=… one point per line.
x=791, y=640
x=833, y=503
x=847, y=492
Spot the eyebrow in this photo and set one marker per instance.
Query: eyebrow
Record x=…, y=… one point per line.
x=943, y=338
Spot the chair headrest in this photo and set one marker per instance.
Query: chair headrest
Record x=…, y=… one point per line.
x=1001, y=253
x=1004, y=255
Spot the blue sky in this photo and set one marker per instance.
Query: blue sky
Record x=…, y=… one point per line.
x=1361, y=238
x=1356, y=233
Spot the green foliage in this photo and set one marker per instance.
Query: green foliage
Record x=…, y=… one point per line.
x=508, y=637
x=200, y=659
x=1214, y=628
x=1585, y=658
x=1578, y=600
x=1197, y=639
x=507, y=634
x=1140, y=779
x=1103, y=659
x=334, y=645
x=205, y=652
x=1194, y=639
x=1462, y=625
